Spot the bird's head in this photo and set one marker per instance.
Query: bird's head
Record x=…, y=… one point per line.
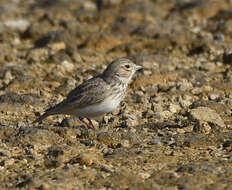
x=122, y=69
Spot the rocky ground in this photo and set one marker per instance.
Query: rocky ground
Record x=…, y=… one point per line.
x=174, y=129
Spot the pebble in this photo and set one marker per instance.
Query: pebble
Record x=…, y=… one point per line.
x=57, y=46
x=165, y=114
x=67, y=66
x=19, y=24
x=213, y=96
x=206, y=128
x=205, y=114
x=90, y=6
x=125, y=143
x=88, y=159
x=219, y=37
x=129, y=120
x=144, y=175
x=174, y=108
x=184, y=85
x=153, y=90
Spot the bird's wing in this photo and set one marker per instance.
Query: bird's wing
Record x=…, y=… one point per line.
x=91, y=92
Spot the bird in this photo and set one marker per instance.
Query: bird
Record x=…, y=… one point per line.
x=98, y=95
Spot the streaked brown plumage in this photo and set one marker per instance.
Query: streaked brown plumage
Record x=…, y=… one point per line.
x=99, y=95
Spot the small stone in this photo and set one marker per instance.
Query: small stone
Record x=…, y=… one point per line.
x=148, y=114
x=95, y=124
x=213, y=96
x=189, y=128
x=181, y=131
x=207, y=88
x=19, y=24
x=206, y=128
x=107, y=151
x=153, y=90
x=88, y=159
x=14, y=99
x=184, y=85
x=106, y=3
x=8, y=76
x=165, y=114
x=67, y=66
x=185, y=103
x=88, y=5
x=205, y=114
x=144, y=175
x=129, y=120
x=125, y=143
x=174, y=108
x=219, y=37
x=73, y=134
x=39, y=54
x=155, y=141
x=196, y=91
x=109, y=139
x=9, y=162
x=54, y=158
x=76, y=57
x=106, y=119
x=45, y=186
x=227, y=58
x=57, y=46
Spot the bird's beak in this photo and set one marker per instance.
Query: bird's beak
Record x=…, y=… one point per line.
x=139, y=67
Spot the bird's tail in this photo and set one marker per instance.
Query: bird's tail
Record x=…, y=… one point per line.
x=51, y=111
x=41, y=118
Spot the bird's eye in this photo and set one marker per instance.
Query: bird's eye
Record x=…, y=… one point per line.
x=127, y=66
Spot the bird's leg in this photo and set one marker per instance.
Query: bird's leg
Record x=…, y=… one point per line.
x=90, y=122
x=83, y=121
x=102, y=121
x=89, y=125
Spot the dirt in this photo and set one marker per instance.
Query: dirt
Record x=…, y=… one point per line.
x=174, y=129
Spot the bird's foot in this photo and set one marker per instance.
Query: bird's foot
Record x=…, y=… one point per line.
x=89, y=125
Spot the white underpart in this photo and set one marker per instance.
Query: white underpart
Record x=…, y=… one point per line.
x=127, y=80
x=96, y=110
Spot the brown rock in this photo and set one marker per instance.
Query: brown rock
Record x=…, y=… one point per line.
x=205, y=114
x=86, y=159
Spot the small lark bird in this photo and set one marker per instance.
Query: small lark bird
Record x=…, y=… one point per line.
x=98, y=95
